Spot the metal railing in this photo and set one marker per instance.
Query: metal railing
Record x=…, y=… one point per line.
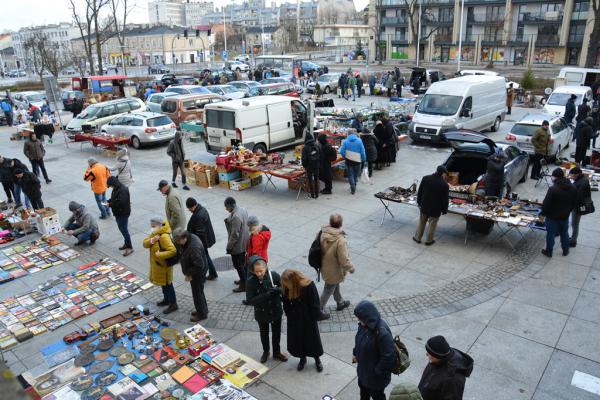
x=485, y=19
x=398, y=37
x=393, y=20
x=543, y=17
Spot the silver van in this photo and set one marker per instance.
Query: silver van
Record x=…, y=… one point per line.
x=97, y=115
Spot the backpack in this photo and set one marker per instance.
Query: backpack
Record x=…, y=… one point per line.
x=314, y=256
x=314, y=156
x=402, y=357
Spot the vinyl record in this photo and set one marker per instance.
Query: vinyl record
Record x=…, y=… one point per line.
x=84, y=359
x=82, y=382
x=105, y=344
x=117, y=351
x=100, y=366
x=90, y=348
x=106, y=378
x=101, y=356
x=126, y=358
x=92, y=393
x=168, y=334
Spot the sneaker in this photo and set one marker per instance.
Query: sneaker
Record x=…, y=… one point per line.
x=172, y=308
x=127, y=252
x=174, y=184
x=342, y=305
x=186, y=187
x=240, y=289
x=124, y=247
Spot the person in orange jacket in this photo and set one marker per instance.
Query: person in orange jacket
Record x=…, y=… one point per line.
x=97, y=174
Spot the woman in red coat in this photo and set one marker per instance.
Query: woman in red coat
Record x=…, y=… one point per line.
x=259, y=239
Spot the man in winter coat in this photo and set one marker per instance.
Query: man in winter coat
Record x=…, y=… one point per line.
x=560, y=200
x=444, y=377
x=31, y=187
x=359, y=85
x=541, y=143
x=97, y=174
x=583, y=135
x=9, y=167
x=120, y=204
x=311, y=160
x=342, y=84
x=81, y=224
x=35, y=152
x=370, y=142
x=432, y=198
x=372, y=81
x=177, y=154
x=237, y=240
x=173, y=205
x=7, y=178
x=200, y=225
x=510, y=98
x=584, y=195
x=335, y=261
x=8, y=111
x=374, y=352
x=194, y=266
x=583, y=110
x=354, y=154
x=122, y=169
x=389, y=84
x=328, y=155
x=494, y=177
x=570, y=109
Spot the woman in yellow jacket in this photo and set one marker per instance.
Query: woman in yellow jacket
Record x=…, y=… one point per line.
x=162, y=248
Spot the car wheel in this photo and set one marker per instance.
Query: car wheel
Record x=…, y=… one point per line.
x=496, y=125
x=135, y=142
x=259, y=147
x=524, y=177
x=327, y=90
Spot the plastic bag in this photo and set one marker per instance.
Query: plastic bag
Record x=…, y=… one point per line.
x=364, y=178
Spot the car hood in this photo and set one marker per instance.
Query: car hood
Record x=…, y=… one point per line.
x=76, y=123
x=554, y=109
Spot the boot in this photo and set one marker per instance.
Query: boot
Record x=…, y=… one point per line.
x=162, y=303
x=301, y=364
x=174, y=185
x=264, y=357
x=172, y=308
x=94, y=237
x=241, y=288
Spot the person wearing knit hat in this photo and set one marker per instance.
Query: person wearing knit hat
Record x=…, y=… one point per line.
x=560, y=200
x=30, y=184
x=445, y=375
x=81, y=224
x=120, y=204
x=200, y=225
x=584, y=202
x=122, y=168
x=583, y=133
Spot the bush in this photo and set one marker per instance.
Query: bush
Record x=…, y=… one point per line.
x=528, y=80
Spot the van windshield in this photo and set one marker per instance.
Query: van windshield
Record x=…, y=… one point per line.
x=560, y=99
x=439, y=104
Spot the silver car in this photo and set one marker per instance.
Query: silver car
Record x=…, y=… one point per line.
x=328, y=83
x=142, y=128
x=187, y=89
x=245, y=86
x=153, y=101
x=227, y=91
x=521, y=132
x=25, y=99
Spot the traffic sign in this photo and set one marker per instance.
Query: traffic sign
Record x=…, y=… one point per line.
x=224, y=54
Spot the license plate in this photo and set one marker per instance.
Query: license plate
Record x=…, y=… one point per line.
x=214, y=139
x=425, y=137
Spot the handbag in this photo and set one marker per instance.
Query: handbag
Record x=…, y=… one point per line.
x=172, y=260
x=587, y=207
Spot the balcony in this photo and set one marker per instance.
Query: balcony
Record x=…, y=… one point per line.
x=394, y=21
x=489, y=20
x=575, y=40
x=550, y=17
x=546, y=40
x=443, y=39
x=487, y=2
x=433, y=21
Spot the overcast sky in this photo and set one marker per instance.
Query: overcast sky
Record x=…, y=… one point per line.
x=19, y=13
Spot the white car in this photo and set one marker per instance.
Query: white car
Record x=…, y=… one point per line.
x=142, y=128
x=227, y=91
x=237, y=66
x=488, y=73
x=245, y=58
x=521, y=132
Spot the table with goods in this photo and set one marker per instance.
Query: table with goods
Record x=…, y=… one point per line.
x=109, y=142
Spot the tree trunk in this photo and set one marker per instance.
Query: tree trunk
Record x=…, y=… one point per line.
x=98, y=43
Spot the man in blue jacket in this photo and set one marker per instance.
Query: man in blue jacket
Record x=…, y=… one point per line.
x=374, y=352
x=354, y=155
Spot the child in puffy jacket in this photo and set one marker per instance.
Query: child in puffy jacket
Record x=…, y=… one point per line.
x=258, y=243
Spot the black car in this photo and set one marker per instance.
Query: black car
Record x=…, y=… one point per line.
x=158, y=69
x=168, y=80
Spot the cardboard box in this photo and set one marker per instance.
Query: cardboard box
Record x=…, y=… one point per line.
x=221, y=168
x=47, y=221
x=224, y=184
x=251, y=175
x=229, y=176
x=202, y=175
x=339, y=173
x=256, y=180
x=239, y=184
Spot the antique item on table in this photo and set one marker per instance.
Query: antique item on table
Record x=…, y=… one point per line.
x=169, y=334
x=117, y=351
x=181, y=341
x=105, y=344
x=92, y=393
x=101, y=366
x=88, y=348
x=105, y=378
x=82, y=382
x=126, y=358
x=84, y=359
x=101, y=356
x=75, y=336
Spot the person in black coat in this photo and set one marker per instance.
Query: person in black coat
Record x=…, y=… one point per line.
x=370, y=142
x=583, y=110
x=328, y=155
x=311, y=160
x=7, y=178
x=383, y=143
x=494, y=177
x=194, y=266
x=391, y=134
x=560, y=200
x=12, y=165
x=570, y=109
x=201, y=226
x=120, y=204
x=303, y=310
x=445, y=374
x=374, y=352
x=583, y=134
x=584, y=196
x=432, y=198
x=31, y=187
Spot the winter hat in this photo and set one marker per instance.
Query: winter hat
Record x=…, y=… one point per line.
x=575, y=171
x=441, y=170
x=19, y=171
x=74, y=206
x=121, y=153
x=162, y=184
x=253, y=260
x=190, y=202
x=156, y=221
x=589, y=121
x=438, y=347
x=252, y=221
x=558, y=173
x=92, y=161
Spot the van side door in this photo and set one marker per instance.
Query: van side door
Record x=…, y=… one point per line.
x=281, y=124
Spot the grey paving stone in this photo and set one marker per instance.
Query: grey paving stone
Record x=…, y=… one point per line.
x=556, y=381
x=485, y=383
x=592, y=282
x=563, y=273
x=587, y=307
x=581, y=338
x=460, y=333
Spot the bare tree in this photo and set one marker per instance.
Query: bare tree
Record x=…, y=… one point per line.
x=91, y=30
x=595, y=36
x=120, y=10
x=85, y=30
x=55, y=57
x=413, y=14
x=97, y=6
x=34, y=46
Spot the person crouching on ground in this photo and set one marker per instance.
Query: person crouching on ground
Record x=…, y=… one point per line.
x=263, y=291
x=81, y=224
x=161, y=248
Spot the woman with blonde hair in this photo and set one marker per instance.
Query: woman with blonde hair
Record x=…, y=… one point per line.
x=302, y=308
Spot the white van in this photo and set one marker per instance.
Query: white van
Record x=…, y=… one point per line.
x=557, y=101
x=466, y=72
x=470, y=102
x=574, y=76
x=262, y=123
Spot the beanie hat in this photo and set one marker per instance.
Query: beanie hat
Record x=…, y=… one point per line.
x=74, y=206
x=19, y=171
x=589, y=121
x=92, y=161
x=575, y=171
x=438, y=347
x=558, y=173
x=252, y=221
x=190, y=202
x=156, y=221
x=252, y=260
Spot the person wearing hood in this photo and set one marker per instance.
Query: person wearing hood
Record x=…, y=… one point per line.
x=445, y=374
x=301, y=307
x=81, y=224
x=9, y=167
x=570, y=109
x=370, y=142
x=584, y=197
x=335, y=261
x=494, y=177
x=177, y=154
x=328, y=155
x=263, y=292
x=122, y=169
x=31, y=187
x=173, y=205
x=354, y=155
x=120, y=204
x=583, y=134
x=161, y=248
x=236, y=224
x=35, y=152
x=194, y=267
x=7, y=178
x=583, y=110
x=200, y=225
x=97, y=174
x=560, y=200
x=383, y=143
x=311, y=160
x=374, y=352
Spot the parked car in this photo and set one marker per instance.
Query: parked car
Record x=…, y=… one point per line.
x=142, y=128
x=229, y=75
x=328, y=83
x=267, y=81
x=470, y=156
x=227, y=91
x=521, y=132
x=158, y=69
x=236, y=66
x=186, y=80
x=468, y=72
x=153, y=101
x=427, y=77
x=97, y=115
x=69, y=71
x=187, y=89
x=168, y=79
x=309, y=66
x=557, y=101
x=16, y=73
x=25, y=99
x=279, y=89
x=248, y=87
x=245, y=58
x=68, y=96
x=188, y=107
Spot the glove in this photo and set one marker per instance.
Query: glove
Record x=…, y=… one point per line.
x=276, y=291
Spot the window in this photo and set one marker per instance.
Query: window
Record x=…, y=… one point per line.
x=576, y=33
x=168, y=106
x=194, y=104
x=136, y=122
x=445, y=14
x=220, y=119
x=107, y=111
x=134, y=105
x=117, y=121
x=512, y=152
x=122, y=107
x=495, y=13
x=493, y=33
x=551, y=7
x=557, y=126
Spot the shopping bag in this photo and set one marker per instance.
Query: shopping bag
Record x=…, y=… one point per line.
x=364, y=178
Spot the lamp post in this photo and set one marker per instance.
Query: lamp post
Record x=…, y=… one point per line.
x=462, y=12
x=224, y=31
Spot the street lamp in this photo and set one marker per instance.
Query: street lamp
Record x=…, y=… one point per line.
x=419, y=33
x=462, y=12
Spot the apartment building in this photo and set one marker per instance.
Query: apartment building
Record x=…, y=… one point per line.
x=59, y=35
x=511, y=32
x=169, y=12
x=194, y=11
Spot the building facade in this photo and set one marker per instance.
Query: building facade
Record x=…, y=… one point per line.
x=168, y=12
x=194, y=11
x=338, y=35
x=59, y=35
x=511, y=32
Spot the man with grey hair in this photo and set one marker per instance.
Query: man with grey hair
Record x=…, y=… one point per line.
x=81, y=224
x=194, y=266
x=173, y=205
x=237, y=240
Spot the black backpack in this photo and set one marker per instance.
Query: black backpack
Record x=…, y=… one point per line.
x=314, y=156
x=314, y=256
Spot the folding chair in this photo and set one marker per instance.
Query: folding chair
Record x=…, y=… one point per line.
x=545, y=174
